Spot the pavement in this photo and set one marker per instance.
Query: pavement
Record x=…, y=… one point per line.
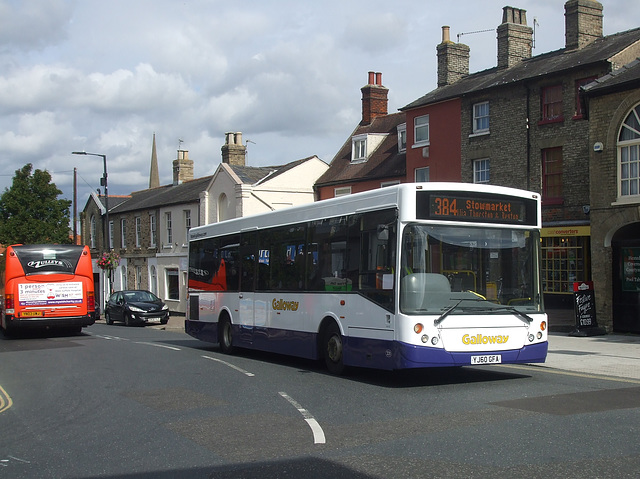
x=615, y=355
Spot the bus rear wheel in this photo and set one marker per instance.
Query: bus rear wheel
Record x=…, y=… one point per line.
x=332, y=349
x=225, y=336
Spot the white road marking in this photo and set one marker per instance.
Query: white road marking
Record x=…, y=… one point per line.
x=173, y=348
x=316, y=429
x=232, y=366
x=114, y=338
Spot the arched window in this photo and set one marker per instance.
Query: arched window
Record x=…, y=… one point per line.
x=223, y=206
x=629, y=155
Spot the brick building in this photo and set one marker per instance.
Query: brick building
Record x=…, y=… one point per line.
x=613, y=108
x=521, y=124
x=375, y=154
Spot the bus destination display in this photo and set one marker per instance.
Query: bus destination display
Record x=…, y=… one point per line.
x=450, y=206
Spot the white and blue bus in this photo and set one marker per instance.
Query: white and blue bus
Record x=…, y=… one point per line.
x=408, y=276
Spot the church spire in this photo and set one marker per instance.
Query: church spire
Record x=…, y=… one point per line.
x=154, y=177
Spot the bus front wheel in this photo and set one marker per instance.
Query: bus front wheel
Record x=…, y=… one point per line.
x=332, y=349
x=225, y=336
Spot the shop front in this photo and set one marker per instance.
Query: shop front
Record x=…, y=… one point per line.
x=565, y=260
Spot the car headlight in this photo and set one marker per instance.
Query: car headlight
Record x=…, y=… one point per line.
x=135, y=309
x=165, y=307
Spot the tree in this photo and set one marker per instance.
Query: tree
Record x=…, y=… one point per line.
x=30, y=211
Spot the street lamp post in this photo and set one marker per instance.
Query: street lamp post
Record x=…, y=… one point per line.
x=106, y=233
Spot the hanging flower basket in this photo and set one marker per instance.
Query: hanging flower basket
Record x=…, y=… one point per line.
x=109, y=261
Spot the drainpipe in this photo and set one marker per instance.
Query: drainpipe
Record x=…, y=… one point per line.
x=528, y=140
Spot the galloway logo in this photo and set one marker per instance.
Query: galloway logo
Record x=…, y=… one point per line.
x=282, y=305
x=480, y=339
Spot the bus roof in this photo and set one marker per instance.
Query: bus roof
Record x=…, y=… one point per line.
x=372, y=200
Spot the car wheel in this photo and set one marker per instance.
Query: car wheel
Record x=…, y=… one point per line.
x=332, y=349
x=128, y=321
x=225, y=336
x=107, y=318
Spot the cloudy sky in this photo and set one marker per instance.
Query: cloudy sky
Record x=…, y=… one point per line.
x=104, y=75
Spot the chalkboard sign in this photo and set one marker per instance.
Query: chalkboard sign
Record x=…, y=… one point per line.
x=584, y=304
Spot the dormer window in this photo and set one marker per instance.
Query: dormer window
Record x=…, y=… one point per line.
x=402, y=137
x=359, y=148
x=363, y=146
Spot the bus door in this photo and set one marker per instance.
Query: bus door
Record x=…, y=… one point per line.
x=246, y=295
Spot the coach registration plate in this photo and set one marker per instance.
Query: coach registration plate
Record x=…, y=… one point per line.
x=486, y=359
x=32, y=314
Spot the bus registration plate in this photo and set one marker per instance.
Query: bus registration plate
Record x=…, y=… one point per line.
x=486, y=359
x=32, y=314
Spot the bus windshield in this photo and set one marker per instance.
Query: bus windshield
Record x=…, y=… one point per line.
x=468, y=268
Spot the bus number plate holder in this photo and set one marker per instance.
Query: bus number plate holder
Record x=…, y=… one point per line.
x=486, y=359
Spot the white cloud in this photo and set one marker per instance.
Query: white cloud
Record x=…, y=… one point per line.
x=104, y=76
x=33, y=24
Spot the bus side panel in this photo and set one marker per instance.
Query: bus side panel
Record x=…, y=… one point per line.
x=202, y=330
x=369, y=353
x=283, y=341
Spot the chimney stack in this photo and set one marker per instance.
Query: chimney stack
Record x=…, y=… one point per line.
x=182, y=168
x=453, y=60
x=233, y=151
x=583, y=23
x=374, y=98
x=515, y=38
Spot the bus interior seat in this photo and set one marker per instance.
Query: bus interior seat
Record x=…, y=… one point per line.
x=416, y=286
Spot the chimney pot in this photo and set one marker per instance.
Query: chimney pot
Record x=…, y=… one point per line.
x=374, y=98
x=446, y=38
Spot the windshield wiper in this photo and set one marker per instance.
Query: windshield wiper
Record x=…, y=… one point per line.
x=516, y=312
x=446, y=312
x=523, y=316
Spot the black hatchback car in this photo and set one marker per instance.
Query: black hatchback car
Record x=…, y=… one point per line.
x=136, y=307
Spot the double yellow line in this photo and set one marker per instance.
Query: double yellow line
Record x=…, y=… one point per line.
x=5, y=400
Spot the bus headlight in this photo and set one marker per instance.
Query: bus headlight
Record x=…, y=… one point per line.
x=417, y=328
x=434, y=340
x=531, y=338
x=425, y=338
x=539, y=335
